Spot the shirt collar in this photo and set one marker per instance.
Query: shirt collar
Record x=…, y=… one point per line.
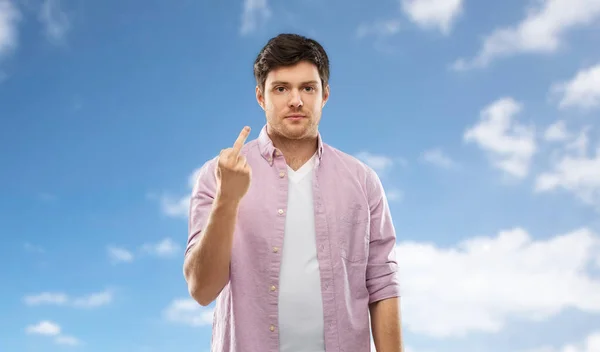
x=267, y=150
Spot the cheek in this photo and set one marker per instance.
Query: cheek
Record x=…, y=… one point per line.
x=272, y=111
x=273, y=106
x=316, y=105
x=269, y=106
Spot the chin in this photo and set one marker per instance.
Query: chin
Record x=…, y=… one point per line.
x=294, y=133
x=293, y=129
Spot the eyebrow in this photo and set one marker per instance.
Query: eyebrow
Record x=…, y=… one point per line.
x=274, y=83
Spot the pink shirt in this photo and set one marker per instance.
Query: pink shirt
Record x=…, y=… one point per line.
x=355, y=240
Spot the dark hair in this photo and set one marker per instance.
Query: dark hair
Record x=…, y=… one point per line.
x=287, y=50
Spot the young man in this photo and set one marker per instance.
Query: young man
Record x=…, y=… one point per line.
x=292, y=237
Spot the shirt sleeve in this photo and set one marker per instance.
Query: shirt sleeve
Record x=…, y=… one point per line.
x=201, y=200
x=382, y=267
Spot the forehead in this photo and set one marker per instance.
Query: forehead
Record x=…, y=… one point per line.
x=300, y=72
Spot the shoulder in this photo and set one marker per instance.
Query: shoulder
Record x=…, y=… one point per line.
x=357, y=169
x=204, y=177
x=350, y=163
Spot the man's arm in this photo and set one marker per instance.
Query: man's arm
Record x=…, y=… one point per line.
x=221, y=185
x=206, y=265
x=386, y=325
x=382, y=272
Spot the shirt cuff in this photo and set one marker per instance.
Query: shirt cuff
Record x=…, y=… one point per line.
x=391, y=290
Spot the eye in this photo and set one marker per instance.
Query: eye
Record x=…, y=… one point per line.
x=279, y=89
x=309, y=89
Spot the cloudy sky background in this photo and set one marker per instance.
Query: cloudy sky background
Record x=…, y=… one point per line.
x=482, y=119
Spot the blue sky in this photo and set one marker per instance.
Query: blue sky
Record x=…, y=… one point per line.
x=482, y=119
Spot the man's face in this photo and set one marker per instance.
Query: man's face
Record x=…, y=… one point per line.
x=293, y=98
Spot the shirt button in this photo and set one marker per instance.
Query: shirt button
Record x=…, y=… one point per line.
x=280, y=211
x=275, y=249
x=282, y=174
x=272, y=328
x=273, y=288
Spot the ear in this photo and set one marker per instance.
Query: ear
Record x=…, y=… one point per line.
x=325, y=95
x=260, y=98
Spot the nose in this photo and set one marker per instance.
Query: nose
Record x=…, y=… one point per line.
x=295, y=99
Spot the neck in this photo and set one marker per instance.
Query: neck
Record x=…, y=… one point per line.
x=296, y=151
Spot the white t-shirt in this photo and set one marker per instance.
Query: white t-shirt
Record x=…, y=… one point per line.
x=301, y=326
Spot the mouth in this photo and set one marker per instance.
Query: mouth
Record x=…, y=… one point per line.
x=295, y=117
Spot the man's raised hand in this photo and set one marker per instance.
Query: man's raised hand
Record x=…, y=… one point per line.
x=233, y=172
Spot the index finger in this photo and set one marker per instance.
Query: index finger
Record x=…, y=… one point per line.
x=239, y=142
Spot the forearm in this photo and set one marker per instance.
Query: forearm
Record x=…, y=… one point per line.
x=386, y=325
x=206, y=266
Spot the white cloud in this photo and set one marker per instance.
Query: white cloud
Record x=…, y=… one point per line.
x=394, y=195
x=509, y=144
x=557, y=132
x=49, y=328
x=118, y=255
x=541, y=31
x=575, y=171
x=67, y=340
x=254, y=14
x=433, y=14
x=46, y=328
x=61, y=299
x=582, y=91
x=590, y=344
x=379, y=28
x=175, y=206
x=164, y=248
x=188, y=312
x=379, y=163
x=193, y=177
x=94, y=300
x=54, y=19
x=438, y=158
x=579, y=144
x=46, y=298
x=9, y=18
x=480, y=284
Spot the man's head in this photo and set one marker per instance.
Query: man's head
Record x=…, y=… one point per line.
x=292, y=77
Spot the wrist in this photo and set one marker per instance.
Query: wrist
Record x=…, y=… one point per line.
x=224, y=201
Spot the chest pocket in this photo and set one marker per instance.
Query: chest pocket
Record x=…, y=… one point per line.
x=353, y=240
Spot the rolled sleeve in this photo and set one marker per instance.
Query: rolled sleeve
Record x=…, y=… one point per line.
x=382, y=268
x=201, y=200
